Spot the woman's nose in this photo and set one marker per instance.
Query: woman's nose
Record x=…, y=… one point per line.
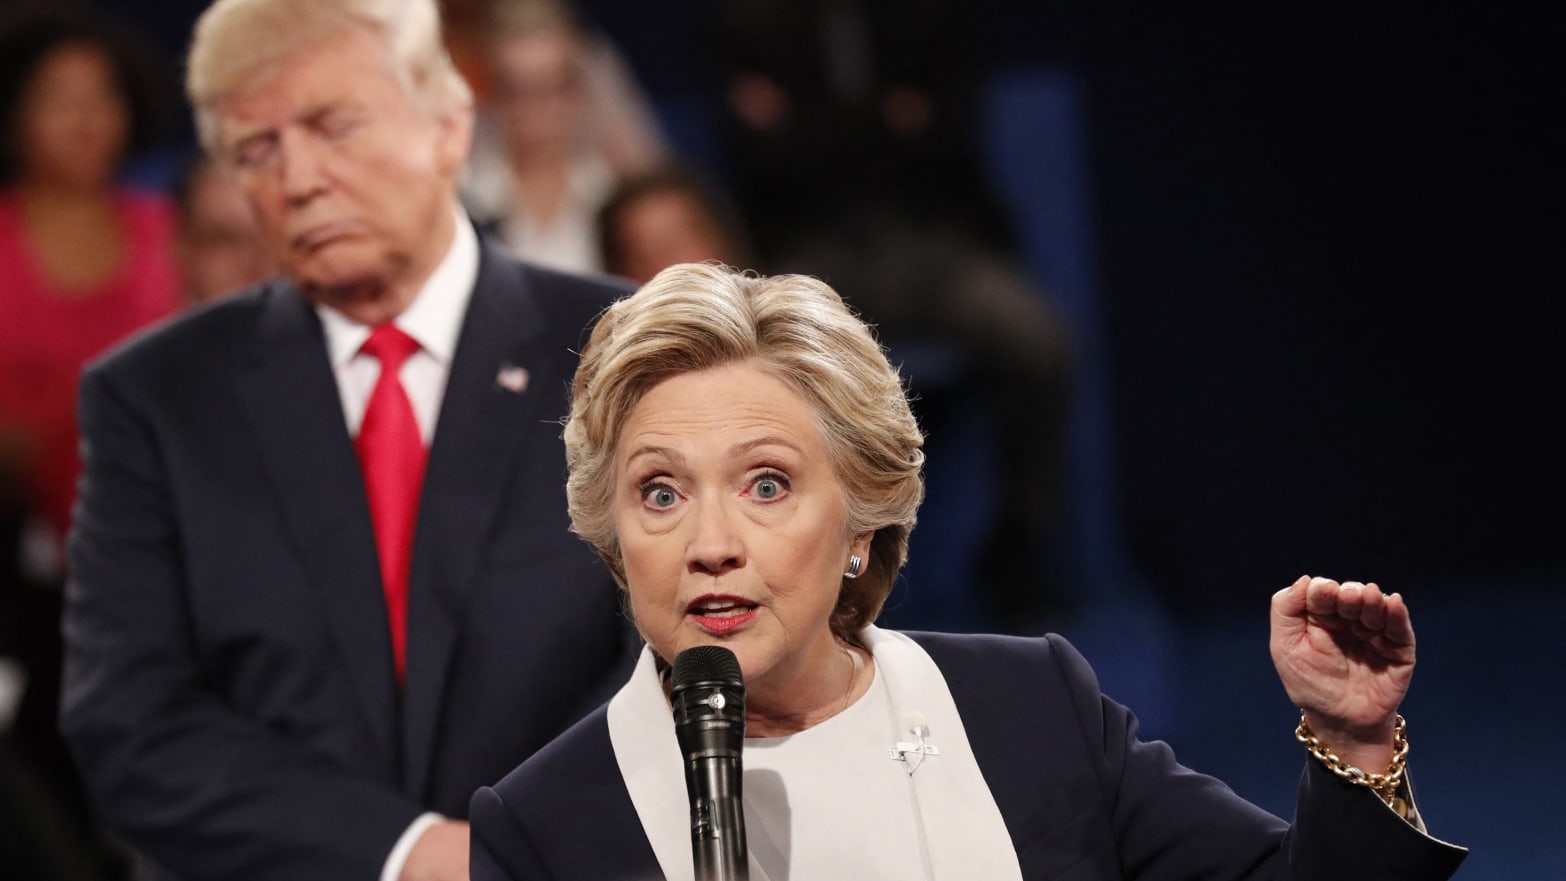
x=716, y=546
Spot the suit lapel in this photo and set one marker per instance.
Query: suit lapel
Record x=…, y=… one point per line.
x=481, y=430
x=292, y=400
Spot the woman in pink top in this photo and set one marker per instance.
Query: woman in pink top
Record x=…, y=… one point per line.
x=83, y=262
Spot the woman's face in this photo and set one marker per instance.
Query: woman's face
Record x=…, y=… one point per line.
x=73, y=122
x=731, y=524
x=537, y=90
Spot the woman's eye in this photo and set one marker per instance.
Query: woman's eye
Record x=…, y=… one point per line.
x=659, y=496
x=768, y=488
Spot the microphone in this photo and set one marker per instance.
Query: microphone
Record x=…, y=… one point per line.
x=708, y=695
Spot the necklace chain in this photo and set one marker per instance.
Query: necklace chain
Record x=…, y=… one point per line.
x=853, y=677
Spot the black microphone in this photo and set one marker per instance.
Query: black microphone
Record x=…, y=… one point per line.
x=708, y=695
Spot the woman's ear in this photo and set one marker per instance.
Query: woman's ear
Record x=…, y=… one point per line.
x=859, y=545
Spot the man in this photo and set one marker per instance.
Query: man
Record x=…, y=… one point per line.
x=271, y=671
x=220, y=249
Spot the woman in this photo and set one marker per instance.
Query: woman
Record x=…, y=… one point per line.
x=562, y=124
x=83, y=262
x=743, y=458
x=665, y=216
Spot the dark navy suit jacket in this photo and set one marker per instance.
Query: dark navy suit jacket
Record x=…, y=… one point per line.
x=1082, y=798
x=229, y=689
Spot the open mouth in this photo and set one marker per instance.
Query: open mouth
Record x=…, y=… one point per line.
x=721, y=614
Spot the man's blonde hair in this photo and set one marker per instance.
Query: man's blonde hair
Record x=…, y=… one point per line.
x=237, y=41
x=692, y=317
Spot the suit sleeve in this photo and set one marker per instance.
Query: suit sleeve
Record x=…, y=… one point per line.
x=1171, y=822
x=500, y=848
x=201, y=790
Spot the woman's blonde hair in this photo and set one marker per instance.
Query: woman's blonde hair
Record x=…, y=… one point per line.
x=692, y=317
x=237, y=40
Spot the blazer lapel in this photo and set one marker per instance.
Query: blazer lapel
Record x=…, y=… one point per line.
x=297, y=416
x=492, y=393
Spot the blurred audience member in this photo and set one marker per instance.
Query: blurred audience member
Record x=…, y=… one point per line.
x=874, y=102
x=465, y=31
x=564, y=122
x=221, y=250
x=667, y=216
x=83, y=263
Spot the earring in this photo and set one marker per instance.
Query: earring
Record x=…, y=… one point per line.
x=854, y=565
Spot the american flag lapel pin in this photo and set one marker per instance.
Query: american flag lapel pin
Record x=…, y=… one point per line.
x=512, y=378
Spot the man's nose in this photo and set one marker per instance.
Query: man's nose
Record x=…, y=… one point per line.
x=304, y=165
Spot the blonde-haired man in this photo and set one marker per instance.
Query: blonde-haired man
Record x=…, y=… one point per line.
x=314, y=604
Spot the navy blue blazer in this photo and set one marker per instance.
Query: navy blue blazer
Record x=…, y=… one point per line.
x=229, y=690
x=1083, y=799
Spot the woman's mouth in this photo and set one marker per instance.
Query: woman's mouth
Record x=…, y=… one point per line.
x=721, y=614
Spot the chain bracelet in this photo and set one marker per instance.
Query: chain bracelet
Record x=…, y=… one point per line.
x=1385, y=785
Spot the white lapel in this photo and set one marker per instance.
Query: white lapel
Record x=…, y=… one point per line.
x=965, y=834
x=641, y=729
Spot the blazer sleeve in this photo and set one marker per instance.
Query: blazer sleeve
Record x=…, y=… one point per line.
x=501, y=850
x=201, y=790
x=1170, y=822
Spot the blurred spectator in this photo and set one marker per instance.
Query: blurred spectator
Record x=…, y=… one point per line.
x=564, y=122
x=83, y=263
x=666, y=216
x=465, y=28
x=873, y=102
x=221, y=250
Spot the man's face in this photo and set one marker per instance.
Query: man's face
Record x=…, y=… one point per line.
x=350, y=181
x=220, y=249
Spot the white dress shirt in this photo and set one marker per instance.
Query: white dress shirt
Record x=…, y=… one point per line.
x=434, y=320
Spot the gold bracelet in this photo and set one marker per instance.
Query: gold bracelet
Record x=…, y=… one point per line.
x=1384, y=785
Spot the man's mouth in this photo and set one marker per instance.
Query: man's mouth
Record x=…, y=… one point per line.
x=321, y=234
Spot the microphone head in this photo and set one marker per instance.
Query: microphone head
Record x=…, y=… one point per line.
x=706, y=663
x=707, y=694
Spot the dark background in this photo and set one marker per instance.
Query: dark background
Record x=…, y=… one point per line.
x=1330, y=336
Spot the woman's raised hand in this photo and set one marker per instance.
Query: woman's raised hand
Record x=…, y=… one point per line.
x=1345, y=653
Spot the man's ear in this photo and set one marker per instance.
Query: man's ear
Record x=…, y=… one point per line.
x=455, y=138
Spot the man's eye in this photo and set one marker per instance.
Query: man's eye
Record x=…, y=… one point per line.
x=337, y=126
x=253, y=152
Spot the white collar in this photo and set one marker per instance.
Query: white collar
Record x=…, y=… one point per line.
x=433, y=319
x=964, y=830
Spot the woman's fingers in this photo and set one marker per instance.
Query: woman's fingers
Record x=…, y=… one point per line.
x=1321, y=598
x=1290, y=602
x=1373, y=608
x=1399, y=627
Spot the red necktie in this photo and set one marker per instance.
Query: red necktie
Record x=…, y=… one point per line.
x=391, y=456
